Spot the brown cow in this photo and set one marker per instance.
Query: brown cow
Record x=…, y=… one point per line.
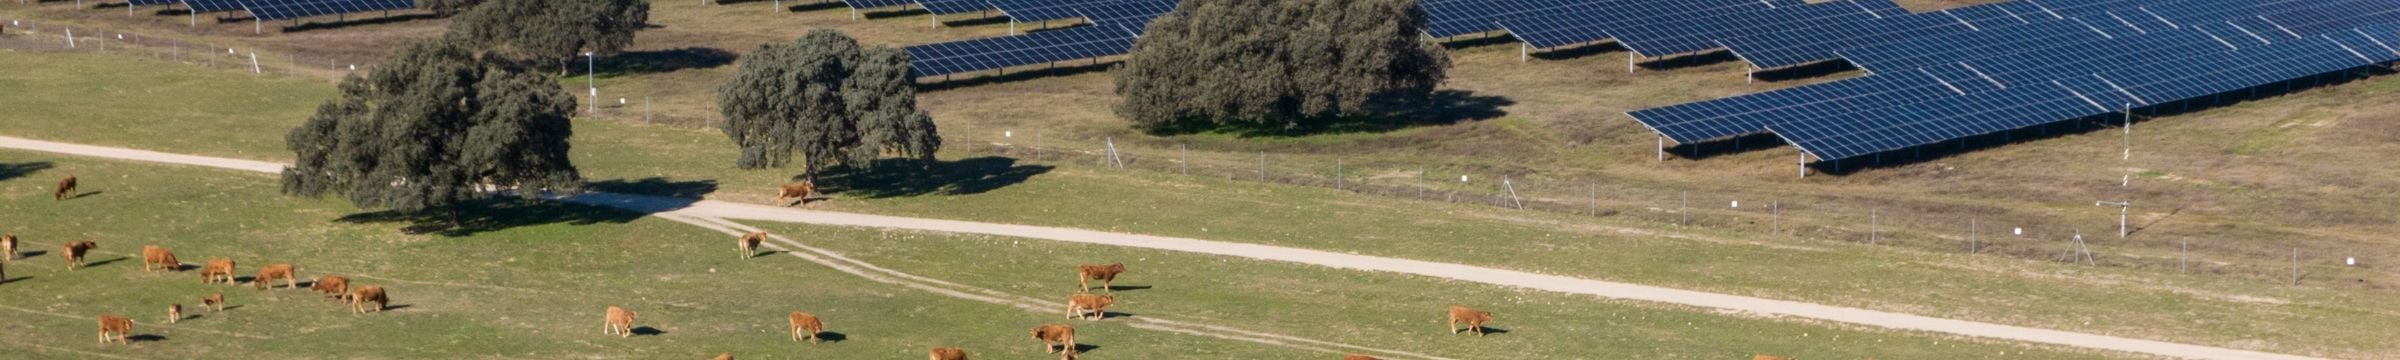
x=334, y=286
x=1078, y=304
x=215, y=302
x=216, y=268
x=1358, y=357
x=1474, y=319
x=1767, y=357
x=154, y=257
x=948, y=353
x=806, y=325
x=364, y=294
x=174, y=313
x=112, y=324
x=8, y=244
x=272, y=272
x=798, y=190
x=749, y=243
x=76, y=250
x=65, y=187
x=1107, y=274
x=1060, y=334
x=620, y=321
x=723, y=356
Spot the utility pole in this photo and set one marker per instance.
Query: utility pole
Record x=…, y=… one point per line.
x=590, y=81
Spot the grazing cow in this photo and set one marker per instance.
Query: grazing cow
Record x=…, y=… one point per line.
x=330, y=285
x=215, y=302
x=798, y=190
x=1472, y=317
x=112, y=324
x=1358, y=357
x=749, y=243
x=806, y=325
x=154, y=256
x=1767, y=357
x=272, y=272
x=217, y=268
x=1107, y=274
x=948, y=353
x=65, y=187
x=364, y=294
x=1078, y=304
x=1060, y=334
x=723, y=356
x=174, y=313
x=620, y=321
x=8, y=244
x=76, y=250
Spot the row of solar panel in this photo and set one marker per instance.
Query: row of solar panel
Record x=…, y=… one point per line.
x=1017, y=10
x=1101, y=39
x=2064, y=57
x=285, y=9
x=1722, y=118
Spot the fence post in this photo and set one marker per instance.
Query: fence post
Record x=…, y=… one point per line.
x=1686, y=210
x=1337, y=174
x=1874, y=227
x=1971, y=236
x=1262, y=166
x=1775, y=214
x=2295, y=266
x=1187, y=158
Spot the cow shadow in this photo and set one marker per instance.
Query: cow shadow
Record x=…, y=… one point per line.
x=396, y=307
x=829, y=336
x=1104, y=315
x=903, y=178
x=769, y=252
x=19, y=278
x=104, y=262
x=1081, y=348
x=31, y=254
x=243, y=279
x=186, y=267
x=656, y=186
x=494, y=214
x=145, y=338
x=17, y=170
x=1116, y=288
x=648, y=331
x=188, y=317
x=230, y=307
x=86, y=194
x=1487, y=330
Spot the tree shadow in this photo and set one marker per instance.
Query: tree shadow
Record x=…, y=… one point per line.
x=657, y=186
x=495, y=214
x=829, y=336
x=887, y=178
x=145, y=338
x=648, y=331
x=664, y=61
x=1442, y=107
x=309, y=26
x=17, y=170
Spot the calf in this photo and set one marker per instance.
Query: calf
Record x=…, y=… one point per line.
x=334, y=286
x=112, y=324
x=174, y=313
x=1060, y=334
x=1079, y=305
x=798, y=190
x=65, y=187
x=1358, y=357
x=364, y=294
x=76, y=250
x=948, y=353
x=806, y=325
x=620, y=321
x=272, y=272
x=155, y=257
x=749, y=243
x=214, y=301
x=8, y=244
x=1107, y=274
x=217, y=268
x=723, y=356
x=1767, y=357
x=1472, y=317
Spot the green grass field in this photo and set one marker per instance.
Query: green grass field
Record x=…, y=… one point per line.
x=2233, y=311
x=532, y=290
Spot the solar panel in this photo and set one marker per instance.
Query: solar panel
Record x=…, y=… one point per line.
x=1922, y=51
x=1139, y=12
x=870, y=4
x=1724, y=118
x=1038, y=10
x=953, y=6
x=1594, y=21
x=1032, y=48
x=210, y=6
x=1698, y=33
x=1460, y=17
x=1787, y=48
x=306, y=8
x=150, y=2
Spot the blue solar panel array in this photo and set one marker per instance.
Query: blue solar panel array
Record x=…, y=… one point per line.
x=211, y=6
x=870, y=4
x=151, y=2
x=1038, y=10
x=1577, y=23
x=1696, y=33
x=308, y=8
x=2092, y=58
x=954, y=6
x=1032, y=48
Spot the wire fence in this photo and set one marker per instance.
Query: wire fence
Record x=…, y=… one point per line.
x=1749, y=214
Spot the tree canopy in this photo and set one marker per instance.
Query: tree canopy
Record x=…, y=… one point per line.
x=552, y=30
x=430, y=129
x=827, y=100
x=1276, y=63
x=448, y=7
